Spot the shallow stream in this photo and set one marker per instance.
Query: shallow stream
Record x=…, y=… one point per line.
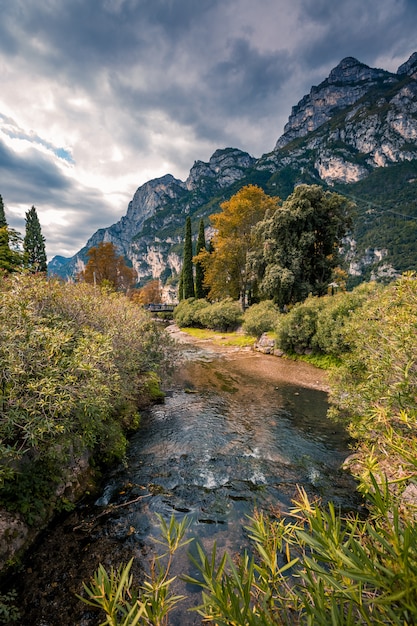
x=238, y=430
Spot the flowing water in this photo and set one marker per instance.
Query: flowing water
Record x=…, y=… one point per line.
x=237, y=431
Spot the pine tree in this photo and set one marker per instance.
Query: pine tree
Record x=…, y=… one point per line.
x=187, y=270
x=34, y=255
x=200, y=290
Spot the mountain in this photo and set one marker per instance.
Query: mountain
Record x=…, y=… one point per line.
x=355, y=133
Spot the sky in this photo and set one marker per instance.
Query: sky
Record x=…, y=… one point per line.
x=99, y=96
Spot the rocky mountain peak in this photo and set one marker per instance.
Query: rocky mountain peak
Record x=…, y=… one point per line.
x=409, y=67
x=346, y=84
x=350, y=70
x=225, y=166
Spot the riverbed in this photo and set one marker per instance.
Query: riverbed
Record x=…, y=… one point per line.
x=238, y=430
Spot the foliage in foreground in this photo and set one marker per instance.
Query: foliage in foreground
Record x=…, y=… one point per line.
x=76, y=364
x=316, y=566
x=374, y=390
x=313, y=567
x=121, y=603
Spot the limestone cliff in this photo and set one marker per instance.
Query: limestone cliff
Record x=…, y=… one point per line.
x=357, y=121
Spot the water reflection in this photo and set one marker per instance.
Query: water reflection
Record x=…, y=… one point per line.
x=232, y=434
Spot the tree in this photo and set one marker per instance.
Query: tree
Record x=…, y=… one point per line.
x=200, y=290
x=300, y=244
x=150, y=293
x=187, y=268
x=3, y=222
x=181, y=287
x=10, y=256
x=34, y=255
x=227, y=271
x=104, y=267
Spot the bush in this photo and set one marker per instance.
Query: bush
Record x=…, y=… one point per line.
x=330, y=336
x=375, y=388
x=260, y=318
x=75, y=365
x=296, y=330
x=224, y=316
x=186, y=314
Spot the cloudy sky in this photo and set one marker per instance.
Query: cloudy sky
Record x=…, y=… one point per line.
x=99, y=96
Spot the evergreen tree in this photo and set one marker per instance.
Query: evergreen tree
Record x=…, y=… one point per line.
x=187, y=269
x=3, y=222
x=181, y=287
x=10, y=257
x=200, y=290
x=302, y=244
x=34, y=255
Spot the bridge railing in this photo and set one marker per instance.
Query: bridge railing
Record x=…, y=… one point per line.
x=157, y=308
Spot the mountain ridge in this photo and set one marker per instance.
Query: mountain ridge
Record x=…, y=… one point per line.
x=355, y=122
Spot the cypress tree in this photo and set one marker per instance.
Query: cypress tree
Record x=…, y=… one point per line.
x=200, y=291
x=34, y=255
x=3, y=222
x=187, y=269
x=181, y=287
x=10, y=257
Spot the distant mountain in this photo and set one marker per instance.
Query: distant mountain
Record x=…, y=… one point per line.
x=355, y=133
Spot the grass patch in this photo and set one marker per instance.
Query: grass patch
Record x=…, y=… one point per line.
x=322, y=361
x=236, y=339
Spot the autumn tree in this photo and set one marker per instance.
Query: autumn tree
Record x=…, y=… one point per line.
x=300, y=244
x=34, y=255
x=187, y=268
x=200, y=289
x=10, y=255
x=105, y=267
x=149, y=293
x=227, y=272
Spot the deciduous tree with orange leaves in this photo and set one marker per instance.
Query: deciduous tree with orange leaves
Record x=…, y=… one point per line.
x=150, y=293
x=106, y=268
x=227, y=273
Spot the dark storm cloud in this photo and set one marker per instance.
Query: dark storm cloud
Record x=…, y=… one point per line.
x=365, y=30
x=29, y=172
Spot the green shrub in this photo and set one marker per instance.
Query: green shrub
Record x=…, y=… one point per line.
x=223, y=316
x=187, y=313
x=330, y=336
x=374, y=391
x=260, y=318
x=296, y=330
x=75, y=361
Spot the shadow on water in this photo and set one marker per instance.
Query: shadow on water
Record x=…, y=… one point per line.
x=227, y=439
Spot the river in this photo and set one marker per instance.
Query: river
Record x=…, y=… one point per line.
x=237, y=430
